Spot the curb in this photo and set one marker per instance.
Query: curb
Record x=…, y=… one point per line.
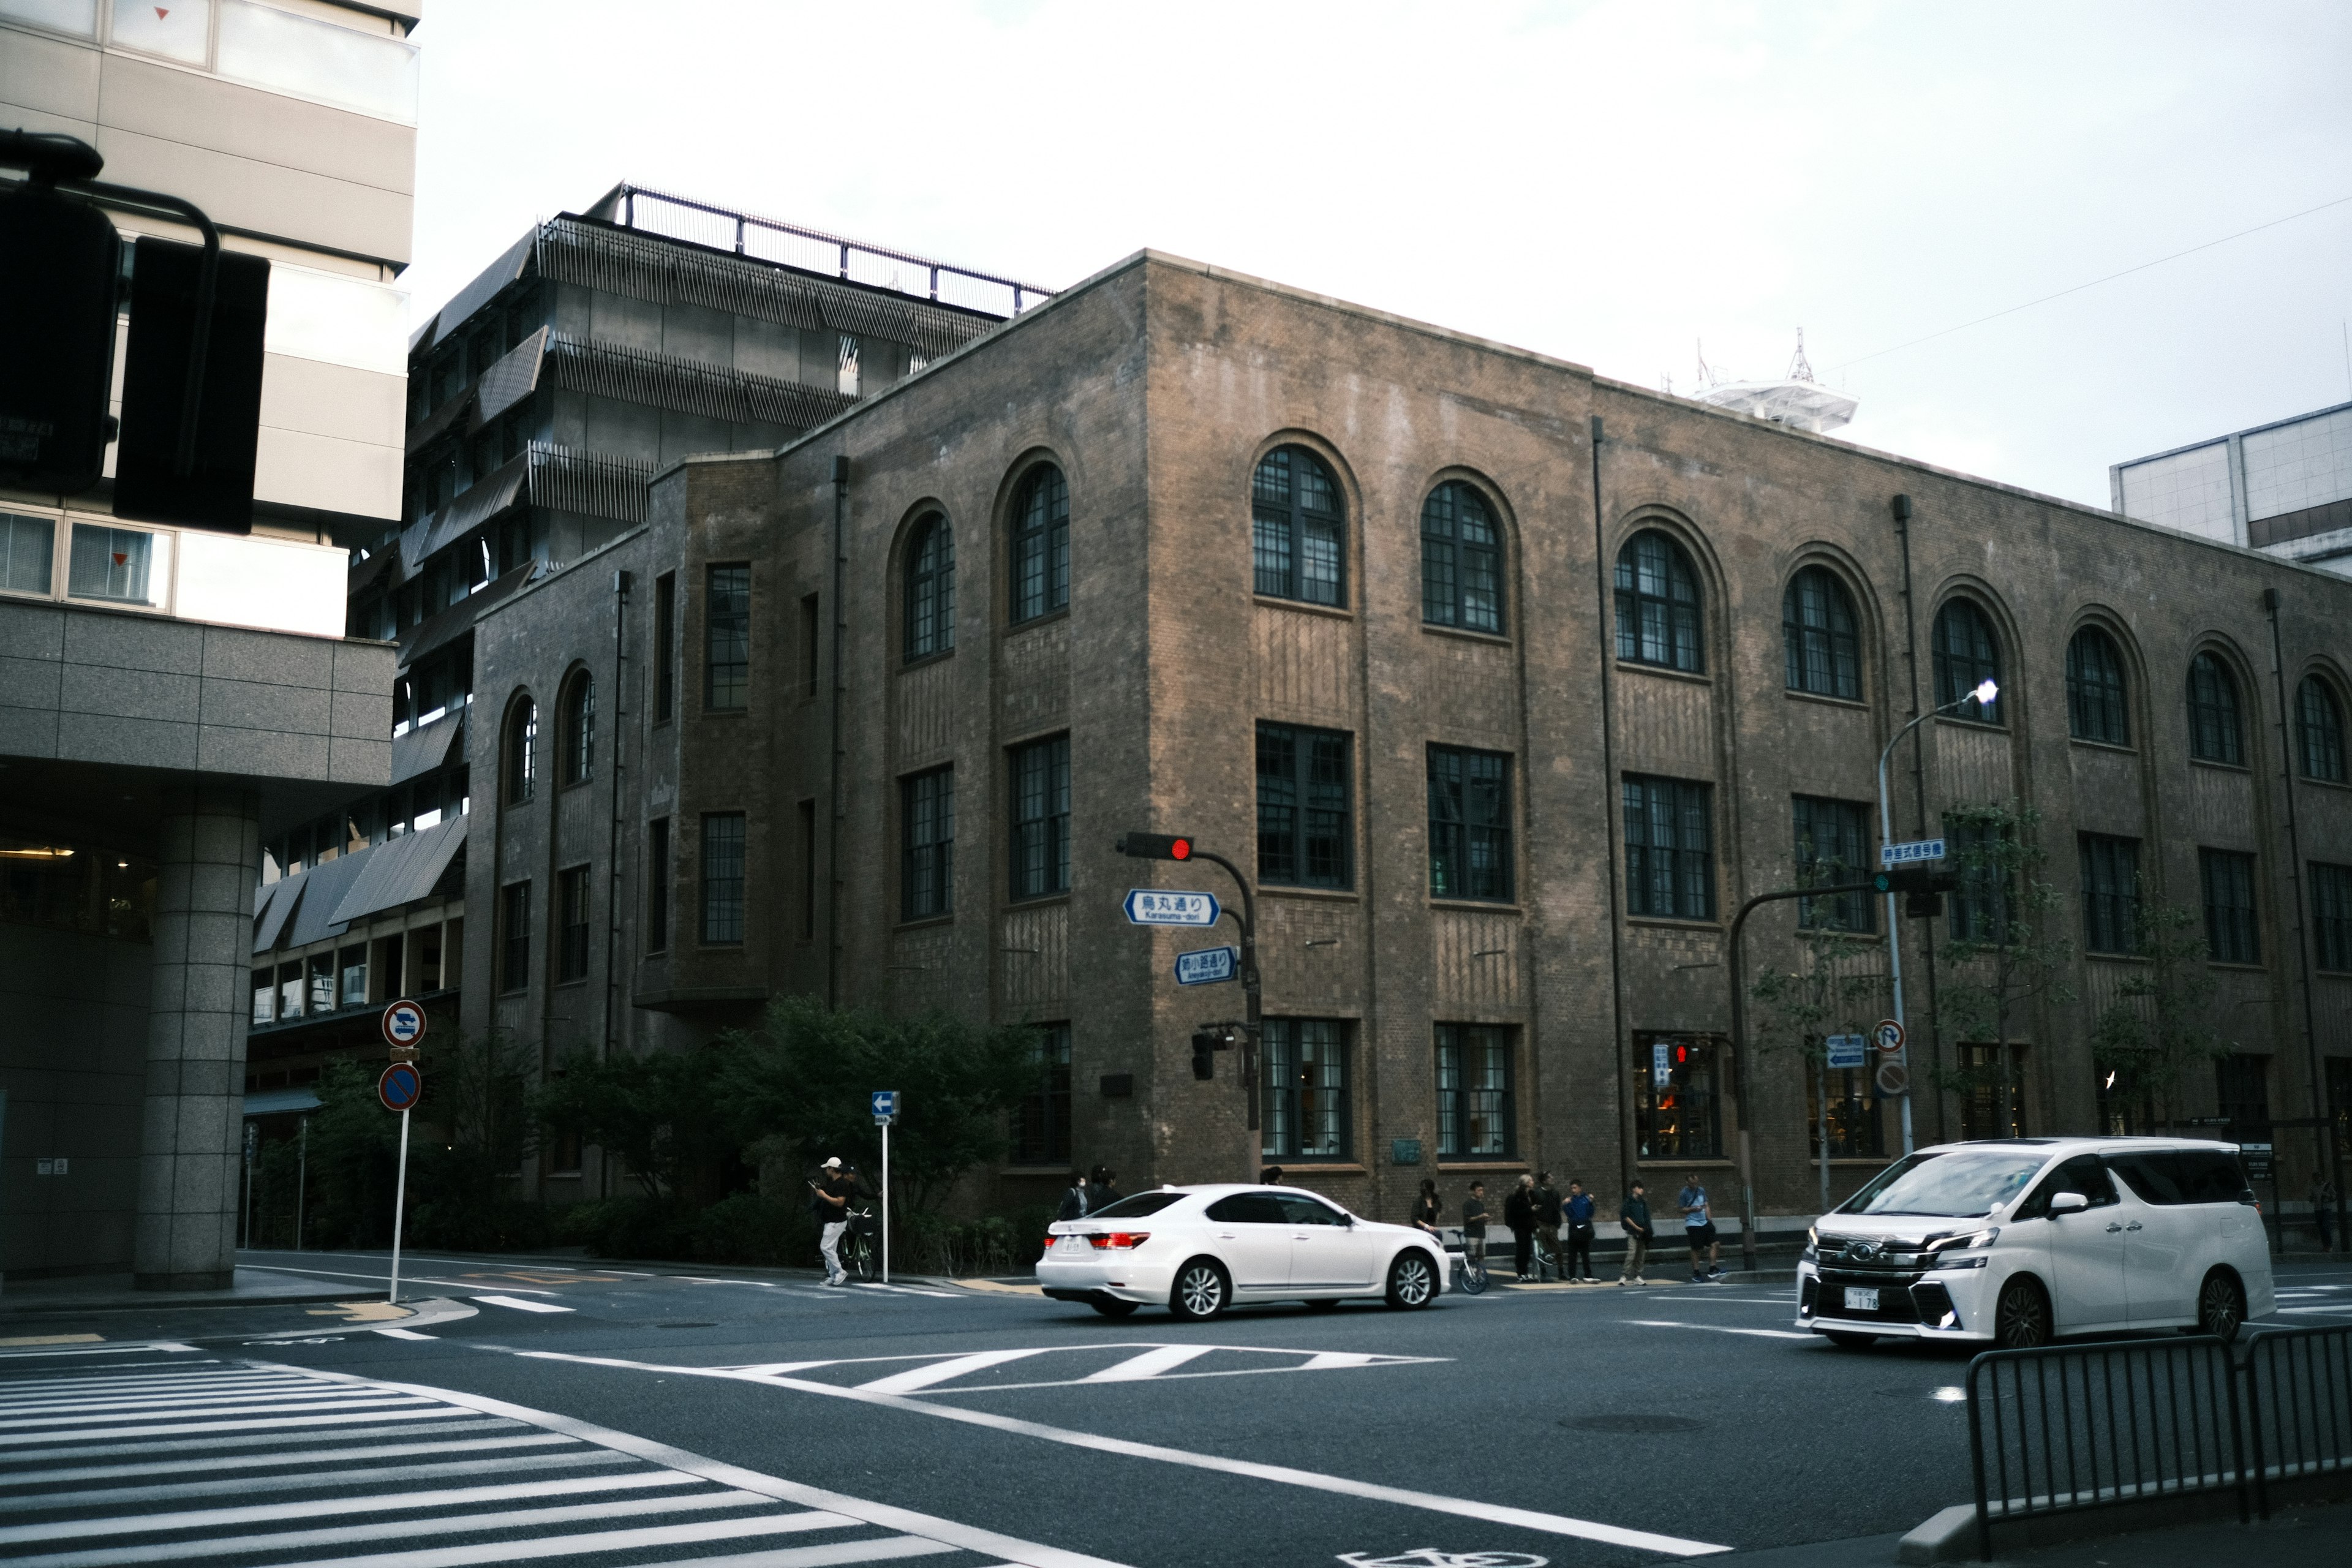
x=159, y=1302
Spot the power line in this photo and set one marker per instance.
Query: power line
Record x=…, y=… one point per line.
x=2093, y=283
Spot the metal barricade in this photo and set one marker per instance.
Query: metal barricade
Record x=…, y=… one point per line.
x=2298, y=1404
x=2068, y=1427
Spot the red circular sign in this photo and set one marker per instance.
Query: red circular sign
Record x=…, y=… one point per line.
x=401, y=1087
x=404, y=1023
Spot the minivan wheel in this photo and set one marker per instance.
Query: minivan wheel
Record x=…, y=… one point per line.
x=1412, y=1281
x=1201, y=1291
x=2220, y=1306
x=2021, y=1319
x=1850, y=1341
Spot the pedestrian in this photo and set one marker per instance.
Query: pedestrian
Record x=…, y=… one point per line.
x=1474, y=1224
x=1548, y=1211
x=1428, y=1207
x=1073, y=1202
x=1103, y=1191
x=1577, y=1231
x=829, y=1204
x=1270, y=1177
x=2323, y=1211
x=1633, y=1214
x=1519, y=1213
x=1698, y=1230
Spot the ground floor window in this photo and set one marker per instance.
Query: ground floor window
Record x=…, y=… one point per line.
x=2242, y=1082
x=1041, y=1128
x=1475, y=1116
x=1678, y=1096
x=1857, y=1130
x=1988, y=1110
x=1304, y=1080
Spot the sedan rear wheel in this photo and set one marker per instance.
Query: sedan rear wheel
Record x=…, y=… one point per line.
x=1412, y=1279
x=1201, y=1292
x=2220, y=1306
x=2021, y=1319
x=1110, y=1307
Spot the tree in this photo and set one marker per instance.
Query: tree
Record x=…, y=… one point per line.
x=807, y=1076
x=2157, y=1024
x=1837, y=984
x=2001, y=957
x=662, y=1115
x=353, y=1156
x=478, y=1131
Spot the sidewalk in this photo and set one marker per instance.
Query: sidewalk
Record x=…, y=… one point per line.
x=81, y=1293
x=2292, y=1538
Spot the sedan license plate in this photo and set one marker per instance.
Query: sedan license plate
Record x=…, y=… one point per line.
x=1070, y=1244
x=1862, y=1297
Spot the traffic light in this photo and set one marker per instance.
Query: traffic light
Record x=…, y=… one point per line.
x=1923, y=890
x=215, y=491
x=60, y=271
x=1204, y=1046
x=1155, y=846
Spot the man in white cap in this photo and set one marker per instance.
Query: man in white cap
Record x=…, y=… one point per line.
x=829, y=1205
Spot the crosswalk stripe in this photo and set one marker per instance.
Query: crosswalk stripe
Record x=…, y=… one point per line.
x=903, y=1290
x=941, y=1370
x=393, y=1529
x=402, y=1335
x=305, y=1480
x=254, y=1513
x=208, y=1409
x=134, y=1347
x=70, y=1386
x=1150, y=1364
x=827, y=1555
x=311, y=1393
x=258, y=1440
x=519, y=1305
x=609, y=1541
x=344, y=1418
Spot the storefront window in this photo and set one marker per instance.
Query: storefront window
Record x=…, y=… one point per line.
x=1677, y=1095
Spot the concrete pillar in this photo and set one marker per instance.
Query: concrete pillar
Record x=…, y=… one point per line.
x=208, y=841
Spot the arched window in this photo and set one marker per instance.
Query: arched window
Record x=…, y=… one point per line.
x=1297, y=529
x=1966, y=656
x=2319, y=729
x=1461, y=560
x=1041, y=544
x=579, y=729
x=2094, y=690
x=1658, y=605
x=930, y=589
x=1818, y=644
x=522, y=742
x=2214, y=733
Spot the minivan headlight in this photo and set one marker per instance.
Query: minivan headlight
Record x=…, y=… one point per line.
x=1812, y=1244
x=1965, y=1251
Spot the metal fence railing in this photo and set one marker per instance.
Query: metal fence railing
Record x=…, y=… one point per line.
x=2068, y=1427
x=2298, y=1404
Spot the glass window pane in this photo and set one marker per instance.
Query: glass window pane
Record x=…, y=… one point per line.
x=176, y=32
x=372, y=73
x=79, y=18
x=27, y=553
x=120, y=565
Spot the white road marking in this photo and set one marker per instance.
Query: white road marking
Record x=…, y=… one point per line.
x=135, y=1347
x=208, y=1460
x=203, y=1407
x=243, y=1485
x=839, y=1551
x=345, y=1419
x=1466, y=1507
x=942, y=1370
x=905, y=1290
x=1719, y=1329
x=1150, y=1364
x=2338, y=1310
x=248, y=1440
x=386, y=1280
x=405, y=1334
x=519, y=1305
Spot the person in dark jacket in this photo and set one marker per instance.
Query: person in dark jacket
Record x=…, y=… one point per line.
x=1473, y=1225
x=1073, y=1202
x=1633, y=1214
x=1428, y=1208
x=1103, y=1191
x=1577, y=1231
x=1519, y=1213
x=1546, y=1201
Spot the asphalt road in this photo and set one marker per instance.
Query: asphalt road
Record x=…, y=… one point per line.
x=590, y=1415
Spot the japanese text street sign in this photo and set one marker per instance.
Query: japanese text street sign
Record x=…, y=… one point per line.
x=1149, y=906
x=1905, y=854
x=1848, y=1051
x=1207, y=965
x=885, y=1104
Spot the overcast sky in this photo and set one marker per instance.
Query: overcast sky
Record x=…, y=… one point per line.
x=1607, y=182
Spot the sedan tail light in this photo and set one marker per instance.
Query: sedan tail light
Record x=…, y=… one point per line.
x=1119, y=1240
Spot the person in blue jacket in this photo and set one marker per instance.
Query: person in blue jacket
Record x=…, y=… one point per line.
x=1576, y=1231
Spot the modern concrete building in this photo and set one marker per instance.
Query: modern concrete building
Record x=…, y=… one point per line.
x=170, y=698
x=541, y=399
x=1509, y=683
x=2285, y=487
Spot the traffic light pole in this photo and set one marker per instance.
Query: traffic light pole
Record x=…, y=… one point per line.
x=1251, y=1000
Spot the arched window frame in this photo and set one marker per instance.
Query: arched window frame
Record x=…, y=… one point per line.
x=1461, y=560
x=1821, y=647
x=1658, y=605
x=2319, y=730
x=579, y=742
x=929, y=605
x=520, y=763
x=1967, y=653
x=2217, y=730
x=1298, y=529
x=1041, y=544
x=2097, y=696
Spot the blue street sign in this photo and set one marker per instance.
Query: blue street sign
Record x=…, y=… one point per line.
x=1206, y=966
x=1904, y=854
x=885, y=1104
x=1848, y=1051
x=1149, y=906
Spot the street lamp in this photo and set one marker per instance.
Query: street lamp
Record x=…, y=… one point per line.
x=1986, y=690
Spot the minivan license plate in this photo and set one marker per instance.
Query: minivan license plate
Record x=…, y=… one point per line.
x=1862, y=1297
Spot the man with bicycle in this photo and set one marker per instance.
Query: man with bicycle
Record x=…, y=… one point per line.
x=829, y=1203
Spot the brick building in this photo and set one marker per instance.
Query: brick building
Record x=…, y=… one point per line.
x=1508, y=723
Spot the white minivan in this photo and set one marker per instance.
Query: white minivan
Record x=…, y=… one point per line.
x=2016, y=1241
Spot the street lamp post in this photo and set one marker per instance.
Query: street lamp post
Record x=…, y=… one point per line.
x=1984, y=693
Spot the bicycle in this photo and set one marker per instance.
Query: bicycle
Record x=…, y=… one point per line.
x=1468, y=1259
x=861, y=1245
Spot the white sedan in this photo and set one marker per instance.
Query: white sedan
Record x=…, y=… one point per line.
x=1201, y=1249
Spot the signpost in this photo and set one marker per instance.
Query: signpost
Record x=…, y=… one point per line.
x=1207, y=965
x=1847, y=1052
x=1151, y=907
x=885, y=1111
x=1908, y=854
x=1889, y=1036
x=400, y=1085
x=1661, y=1067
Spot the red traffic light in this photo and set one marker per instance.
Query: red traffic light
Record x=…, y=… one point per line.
x=1180, y=850
x=1155, y=846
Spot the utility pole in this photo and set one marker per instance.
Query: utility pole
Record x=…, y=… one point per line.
x=1176, y=847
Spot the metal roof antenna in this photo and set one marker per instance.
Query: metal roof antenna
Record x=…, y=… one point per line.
x=1796, y=400
x=1799, y=369
x=1707, y=377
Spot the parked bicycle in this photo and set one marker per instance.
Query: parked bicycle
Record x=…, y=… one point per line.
x=861, y=1245
x=1468, y=1259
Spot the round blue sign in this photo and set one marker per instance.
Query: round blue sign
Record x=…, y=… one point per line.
x=400, y=1085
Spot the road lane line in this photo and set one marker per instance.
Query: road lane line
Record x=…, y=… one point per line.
x=208, y=1460
x=1325, y=1360
x=1464, y=1507
x=886, y=1516
x=942, y=1370
x=173, y=1404
x=134, y=1347
x=317, y=1508
x=253, y=1439
x=245, y=1485
x=407, y=1334
x=386, y=1280
x=901, y=1289
x=521, y=1305
x=1150, y=1364
x=1718, y=1329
